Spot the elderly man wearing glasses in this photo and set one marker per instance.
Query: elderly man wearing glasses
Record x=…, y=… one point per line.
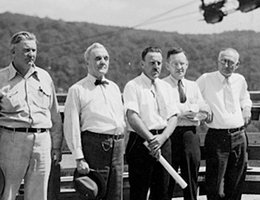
x=226, y=157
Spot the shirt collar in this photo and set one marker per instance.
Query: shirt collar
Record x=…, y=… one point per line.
x=13, y=72
x=147, y=81
x=32, y=72
x=222, y=78
x=175, y=81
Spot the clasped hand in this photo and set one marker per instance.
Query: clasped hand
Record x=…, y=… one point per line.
x=155, y=144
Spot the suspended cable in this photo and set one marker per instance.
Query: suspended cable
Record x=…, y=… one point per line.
x=164, y=13
x=172, y=17
x=110, y=33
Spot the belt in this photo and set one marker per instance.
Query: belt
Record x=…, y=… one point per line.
x=229, y=130
x=102, y=135
x=27, y=130
x=156, y=131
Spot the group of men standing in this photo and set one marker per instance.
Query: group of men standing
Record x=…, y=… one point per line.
x=162, y=112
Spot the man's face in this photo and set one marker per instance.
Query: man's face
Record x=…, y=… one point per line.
x=24, y=53
x=228, y=63
x=177, y=65
x=98, y=62
x=152, y=65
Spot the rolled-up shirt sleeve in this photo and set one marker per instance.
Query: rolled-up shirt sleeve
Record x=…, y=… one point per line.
x=130, y=98
x=72, y=130
x=245, y=100
x=173, y=104
x=203, y=106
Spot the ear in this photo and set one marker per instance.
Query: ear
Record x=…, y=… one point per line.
x=167, y=66
x=142, y=64
x=238, y=64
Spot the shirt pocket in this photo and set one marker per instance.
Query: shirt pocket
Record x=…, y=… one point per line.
x=11, y=102
x=41, y=97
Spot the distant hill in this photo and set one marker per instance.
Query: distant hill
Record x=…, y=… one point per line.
x=62, y=44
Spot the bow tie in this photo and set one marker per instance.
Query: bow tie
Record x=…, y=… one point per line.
x=101, y=82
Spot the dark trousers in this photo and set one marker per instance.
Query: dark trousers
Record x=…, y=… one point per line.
x=226, y=161
x=145, y=172
x=186, y=156
x=106, y=154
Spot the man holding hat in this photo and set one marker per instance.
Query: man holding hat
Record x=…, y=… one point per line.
x=94, y=122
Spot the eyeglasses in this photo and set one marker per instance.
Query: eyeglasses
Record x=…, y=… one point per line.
x=229, y=63
x=176, y=64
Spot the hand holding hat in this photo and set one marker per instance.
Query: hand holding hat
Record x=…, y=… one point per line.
x=91, y=185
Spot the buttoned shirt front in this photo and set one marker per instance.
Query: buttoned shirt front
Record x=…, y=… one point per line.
x=212, y=89
x=194, y=101
x=30, y=101
x=96, y=108
x=140, y=98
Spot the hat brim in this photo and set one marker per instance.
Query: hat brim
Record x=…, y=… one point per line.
x=97, y=178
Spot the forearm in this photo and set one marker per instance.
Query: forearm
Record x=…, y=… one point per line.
x=56, y=132
x=172, y=123
x=138, y=125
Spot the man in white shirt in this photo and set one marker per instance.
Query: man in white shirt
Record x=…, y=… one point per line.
x=193, y=109
x=226, y=157
x=30, y=122
x=94, y=122
x=151, y=114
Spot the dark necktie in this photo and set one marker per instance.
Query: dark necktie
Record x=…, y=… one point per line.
x=181, y=92
x=101, y=82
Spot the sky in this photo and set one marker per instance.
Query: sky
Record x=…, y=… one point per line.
x=183, y=16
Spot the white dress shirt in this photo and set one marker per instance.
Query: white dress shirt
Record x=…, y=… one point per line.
x=97, y=109
x=139, y=96
x=194, y=102
x=211, y=86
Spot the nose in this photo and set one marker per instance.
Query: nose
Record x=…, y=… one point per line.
x=31, y=52
x=178, y=66
x=103, y=60
x=157, y=66
x=225, y=63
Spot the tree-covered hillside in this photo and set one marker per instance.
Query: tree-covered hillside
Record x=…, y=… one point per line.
x=62, y=44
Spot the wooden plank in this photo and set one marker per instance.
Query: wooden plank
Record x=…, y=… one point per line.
x=254, y=95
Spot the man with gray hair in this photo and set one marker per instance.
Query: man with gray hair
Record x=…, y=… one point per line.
x=94, y=122
x=30, y=123
x=228, y=98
